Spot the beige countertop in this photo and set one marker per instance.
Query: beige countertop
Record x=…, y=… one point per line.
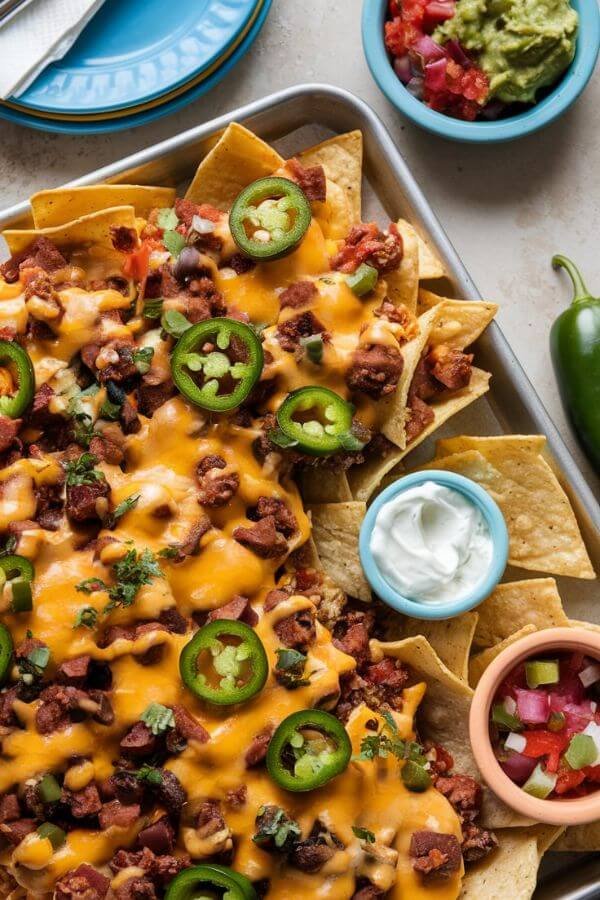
x=506, y=208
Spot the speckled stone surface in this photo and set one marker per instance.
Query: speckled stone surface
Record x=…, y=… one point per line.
x=506, y=208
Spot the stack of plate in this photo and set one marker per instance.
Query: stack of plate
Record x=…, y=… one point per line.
x=137, y=61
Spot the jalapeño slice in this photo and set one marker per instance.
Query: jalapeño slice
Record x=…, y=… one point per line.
x=308, y=749
x=269, y=218
x=6, y=651
x=210, y=882
x=216, y=363
x=233, y=659
x=18, y=572
x=17, y=379
x=316, y=421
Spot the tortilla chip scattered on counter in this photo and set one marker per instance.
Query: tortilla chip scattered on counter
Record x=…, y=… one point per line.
x=535, y=601
x=444, y=717
x=511, y=872
x=341, y=157
x=336, y=527
x=94, y=229
x=238, y=158
x=481, y=661
x=55, y=207
x=544, y=534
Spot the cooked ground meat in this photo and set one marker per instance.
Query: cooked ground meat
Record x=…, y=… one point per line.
x=257, y=750
x=84, y=883
x=311, y=179
x=158, y=837
x=435, y=854
x=238, y=609
x=477, y=843
x=298, y=294
x=151, y=397
x=217, y=487
x=297, y=631
x=463, y=792
x=451, y=368
x=285, y=520
x=262, y=538
x=375, y=370
x=291, y=331
x=367, y=244
x=88, y=502
x=124, y=239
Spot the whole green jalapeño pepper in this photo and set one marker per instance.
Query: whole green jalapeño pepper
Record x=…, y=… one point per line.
x=308, y=749
x=224, y=663
x=17, y=382
x=317, y=421
x=269, y=218
x=18, y=572
x=210, y=882
x=575, y=349
x=6, y=651
x=216, y=363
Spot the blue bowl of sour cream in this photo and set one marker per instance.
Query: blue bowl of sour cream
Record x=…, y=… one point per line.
x=433, y=545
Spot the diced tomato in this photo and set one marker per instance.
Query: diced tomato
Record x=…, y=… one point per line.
x=136, y=263
x=592, y=773
x=436, y=12
x=545, y=743
x=568, y=780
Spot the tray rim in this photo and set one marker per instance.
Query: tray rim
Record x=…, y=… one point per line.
x=324, y=96
x=323, y=99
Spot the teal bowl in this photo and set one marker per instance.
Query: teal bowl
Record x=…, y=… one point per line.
x=448, y=609
x=551, y=107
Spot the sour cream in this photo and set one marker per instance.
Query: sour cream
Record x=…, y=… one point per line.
x=431, y=543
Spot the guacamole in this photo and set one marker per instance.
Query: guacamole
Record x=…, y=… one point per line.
x=522, y=45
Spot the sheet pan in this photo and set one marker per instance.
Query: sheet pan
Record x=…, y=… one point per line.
x=298, y=117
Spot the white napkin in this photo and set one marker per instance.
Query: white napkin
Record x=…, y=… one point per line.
x=37, y=36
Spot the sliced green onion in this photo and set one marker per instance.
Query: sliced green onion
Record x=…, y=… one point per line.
x=55, y=835
x=581, y=751
x=415, y=777
x=49, y=789
x=540, y=784
x=504, y=720
x=541, y=671
x=363, y=280
x=313, y=344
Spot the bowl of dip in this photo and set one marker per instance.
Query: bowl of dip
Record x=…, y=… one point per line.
x=535, y=726
x=433, y=545
x=481, y=72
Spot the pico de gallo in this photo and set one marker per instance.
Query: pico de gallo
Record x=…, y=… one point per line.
x=473, y=59
x=545, y=726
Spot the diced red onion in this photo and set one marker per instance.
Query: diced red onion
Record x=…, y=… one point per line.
x=578, y=715
x=454, y=49
x=518, y=767
x=435, y=76
x=202, y=226
x=427, y=49
x=403, y=68
x=533, y=707
x=436, y=12
x=415, y=87
x=590, y=675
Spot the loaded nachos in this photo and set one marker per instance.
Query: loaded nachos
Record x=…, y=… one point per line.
x=201, y=697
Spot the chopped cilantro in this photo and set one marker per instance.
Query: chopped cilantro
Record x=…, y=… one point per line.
x=83, y=429
x=171, y=552
x=121, y=509
x=167, y=218
x=388, y=743
x=86, y=617
x=110, y=410
x=275, y=828
x=131, y=573
x=158, y=718
x=290, y=668
x=82, y=471
x=153, y=308
x=10, y=545
x=174, y=242
x=142, y=359
x=363, y=834
x=174, y=323
x=149, y=774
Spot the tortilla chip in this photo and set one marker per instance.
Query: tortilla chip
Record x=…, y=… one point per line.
x=318, y=487
x=535, y=601
x=86, y=231
x=341, y=157
x=460, y=322
x=450, y=638
x=336, y=527
x=403, y=282
x=511, y=870
x=237, y=159
x=304, y=557
x=51, y=208
x=444, y=717
x=335, y=214
x=481, y=661
x=365, y=478
x=430, y=265
x=580, y=838
x=543, y=530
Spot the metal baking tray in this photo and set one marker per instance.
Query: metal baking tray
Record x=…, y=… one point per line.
x=295, y=118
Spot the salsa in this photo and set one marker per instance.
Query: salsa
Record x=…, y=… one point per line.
x=473, y=58
x=545, y=726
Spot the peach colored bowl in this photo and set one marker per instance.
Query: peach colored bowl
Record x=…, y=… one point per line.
x=552, y=812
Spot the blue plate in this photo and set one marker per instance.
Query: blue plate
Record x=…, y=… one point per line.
x=150, y=115
x=133, y=52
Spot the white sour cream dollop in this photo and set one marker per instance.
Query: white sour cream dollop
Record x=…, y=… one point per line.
x=431, y=543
